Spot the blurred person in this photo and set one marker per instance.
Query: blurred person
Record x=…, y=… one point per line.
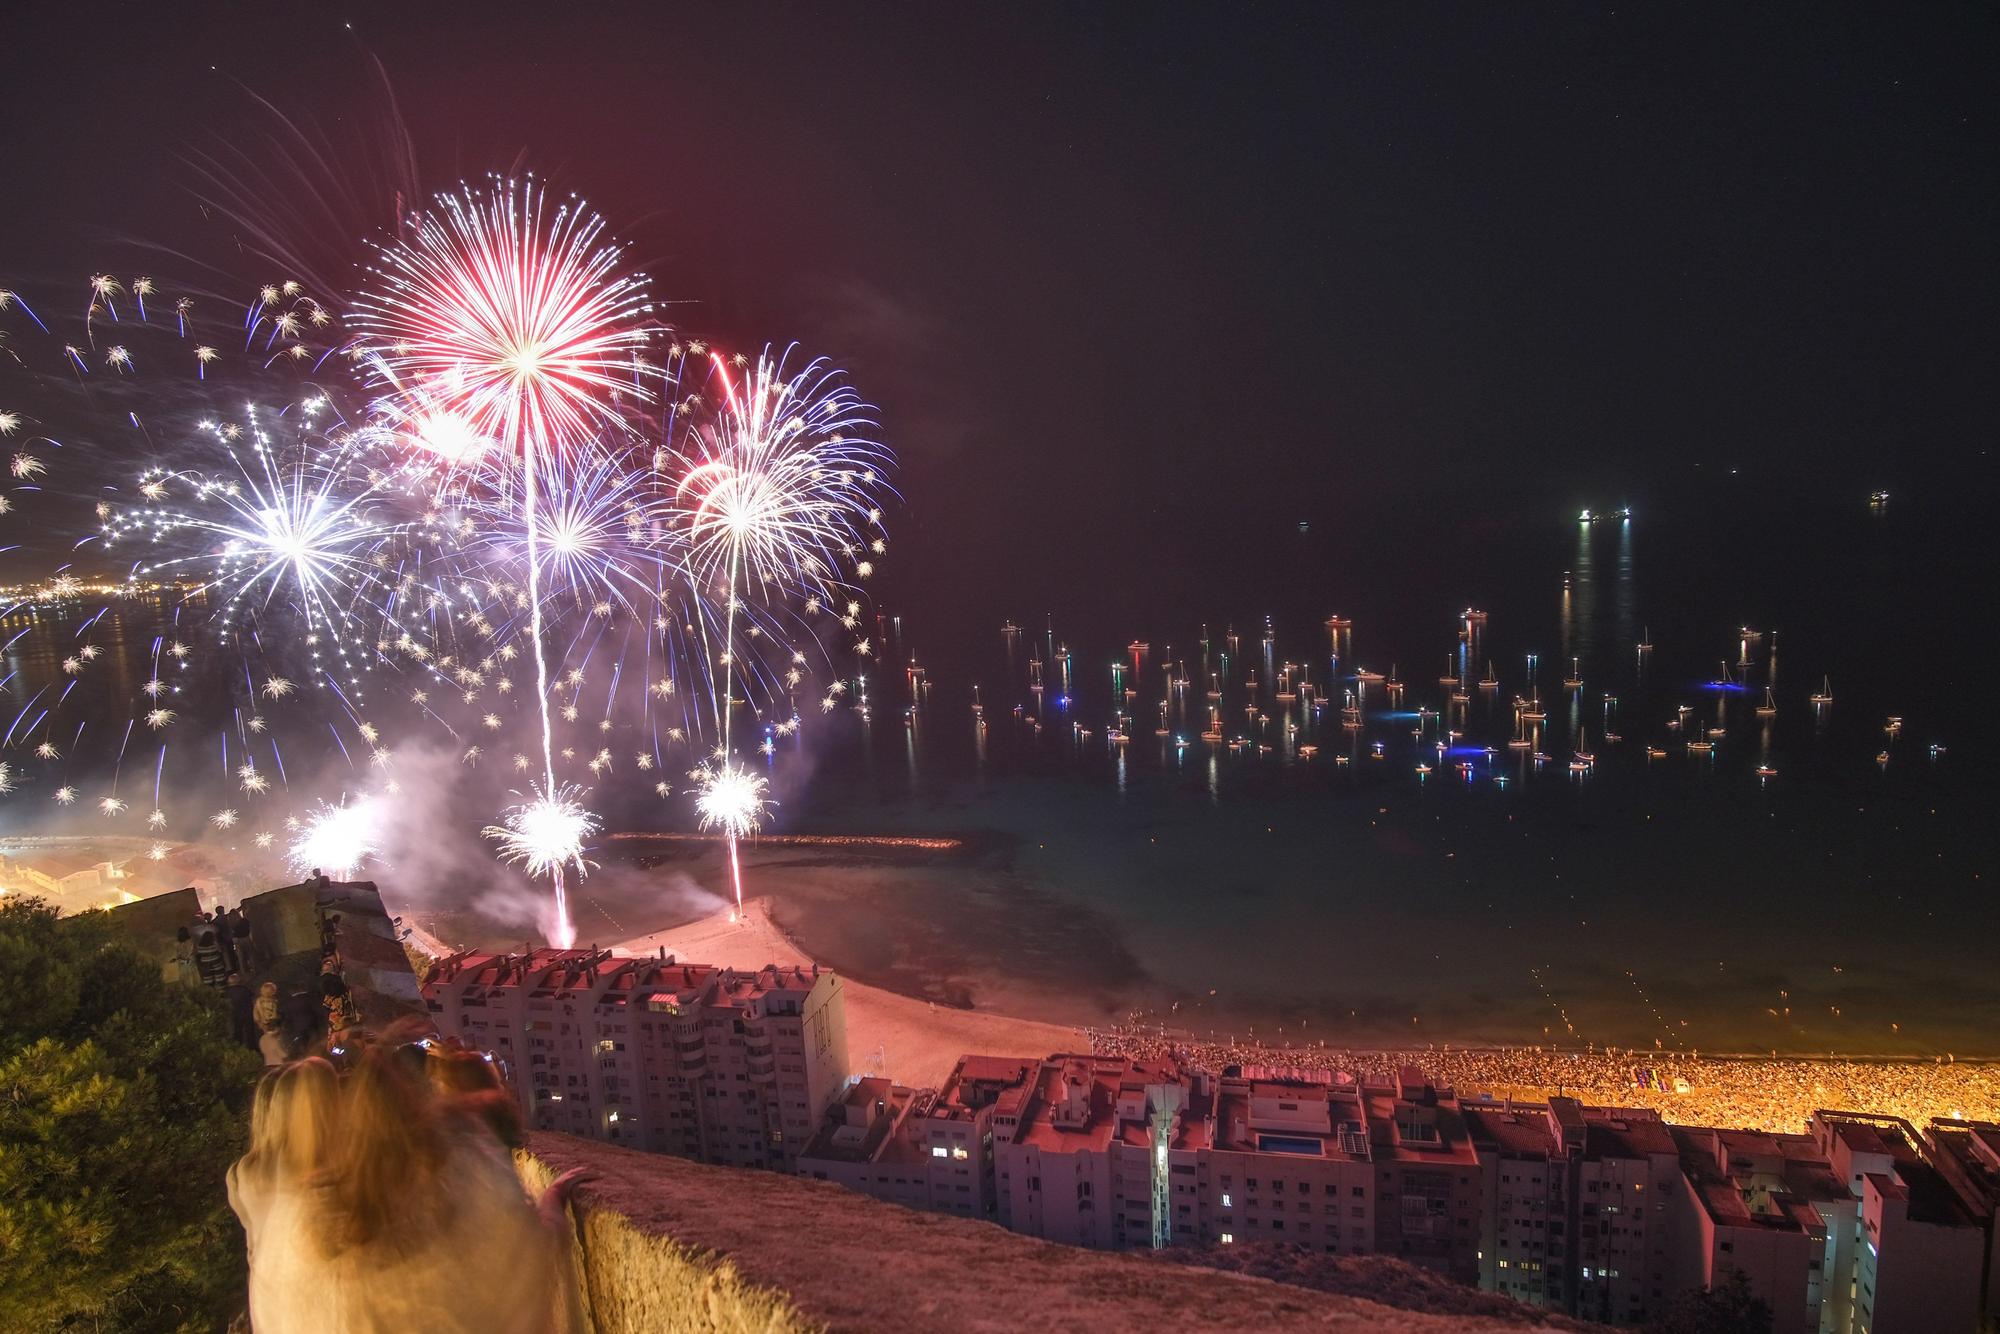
x=469, y=1082
x=424, y=1224
x=209, y=960
x=264, y=1011
x=184, y=956
x=273, y=1187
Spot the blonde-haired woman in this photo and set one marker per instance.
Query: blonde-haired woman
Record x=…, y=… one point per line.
x=294, y=1119
x=422, y=1223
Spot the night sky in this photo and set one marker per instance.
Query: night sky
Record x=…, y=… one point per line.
x=1116, y=277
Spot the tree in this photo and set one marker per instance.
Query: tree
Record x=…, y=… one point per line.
x=122, y=1104
x=1730, y=1307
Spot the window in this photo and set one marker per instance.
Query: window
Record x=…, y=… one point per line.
x=1225, y=1200
x=938, y=1151
x=960, y=1152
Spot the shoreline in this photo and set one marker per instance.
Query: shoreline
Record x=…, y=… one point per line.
x=917, y=1042
x=910, y=1040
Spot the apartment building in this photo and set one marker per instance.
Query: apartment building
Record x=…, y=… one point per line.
x=1575, y=1213
x=711, y=1063
x=1916, y=1254
x=1967, y=1155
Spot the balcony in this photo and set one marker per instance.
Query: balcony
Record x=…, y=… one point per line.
x=664, y=1243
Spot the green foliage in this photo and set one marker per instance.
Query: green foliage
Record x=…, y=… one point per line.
x=1730, y=1307
x=121, y=1108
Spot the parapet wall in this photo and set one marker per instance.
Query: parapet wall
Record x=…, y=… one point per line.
x=664, y=1243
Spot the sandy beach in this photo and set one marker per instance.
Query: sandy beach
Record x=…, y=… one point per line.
x=914, y=1041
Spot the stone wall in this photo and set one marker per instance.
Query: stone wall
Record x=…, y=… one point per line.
x=664, y=1243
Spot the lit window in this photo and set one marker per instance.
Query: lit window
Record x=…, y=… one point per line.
x=958, y=1151
x=1228, y=1238
x=938, y=1151
x=1225, y=1199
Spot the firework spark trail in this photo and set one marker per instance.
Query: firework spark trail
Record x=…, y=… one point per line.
x=522, y=321
x=774, y=488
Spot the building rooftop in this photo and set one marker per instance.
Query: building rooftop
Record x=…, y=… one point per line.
x=1520, y=1131
x=1625, y=1132
x=1930, y=1196
x=697, y=1242
x=859, y=1126
x=977, y=1082
x=1073, y=1101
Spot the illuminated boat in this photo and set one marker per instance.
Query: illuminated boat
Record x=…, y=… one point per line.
x=1766, y=771
x=1769, y=708
x=1366, y=677
x=1489, y=681
x=1474, y=616
x=1656, y=752
x=1825, y=693
x=1450, y=677
x=1574, y=681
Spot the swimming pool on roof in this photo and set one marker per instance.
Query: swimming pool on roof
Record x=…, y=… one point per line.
x=1289, y=1144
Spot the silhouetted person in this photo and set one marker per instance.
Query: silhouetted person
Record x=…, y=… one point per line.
x=317, y=881
x=239, y=929
x=226, y=938
x=299, y=1015
x=242, y=1010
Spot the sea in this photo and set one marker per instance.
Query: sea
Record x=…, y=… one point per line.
x=1659, y=867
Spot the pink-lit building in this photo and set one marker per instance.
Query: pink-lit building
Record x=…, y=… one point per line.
x=710, y=1063
x=1967, y=1155
x=1576, y=1206
x=1916, y=1253
x=1075, y=1148
x=926, y=1148
x=953, y=1132
x=864, y=1144
x=1767, y=1205
x=1113, y=1152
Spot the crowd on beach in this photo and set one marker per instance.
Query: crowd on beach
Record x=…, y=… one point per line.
x=378, y=1193
x=1756, y=1093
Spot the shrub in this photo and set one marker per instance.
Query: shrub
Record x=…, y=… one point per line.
x=121, y=1107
